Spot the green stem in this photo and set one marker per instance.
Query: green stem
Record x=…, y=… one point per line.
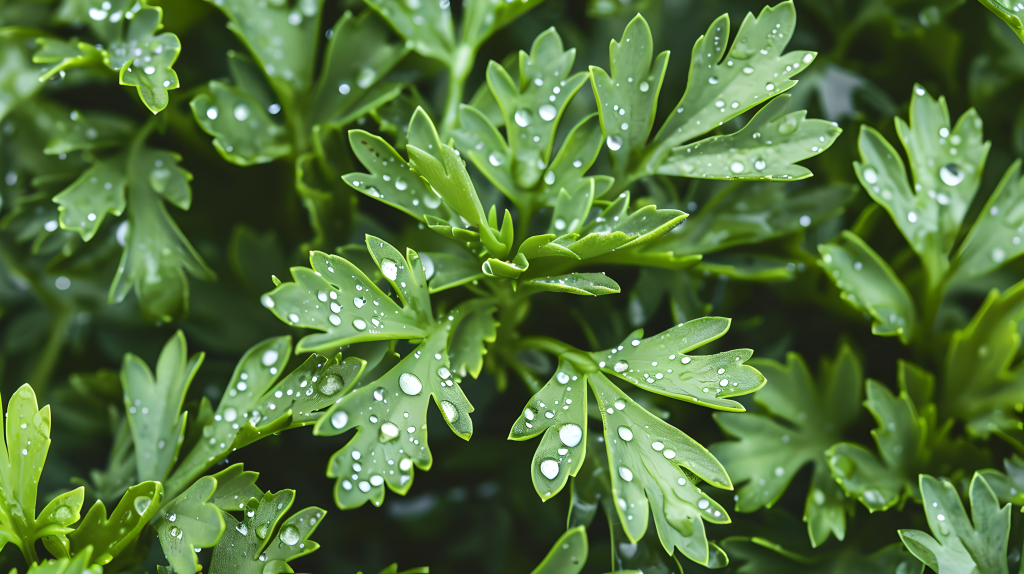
x=458, y=70
x=578, y=358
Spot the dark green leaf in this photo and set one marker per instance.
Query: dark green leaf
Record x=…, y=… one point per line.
x=568, y=555
x=110, y=536
x=257, y=545
x=190, y=522
x=243, y=131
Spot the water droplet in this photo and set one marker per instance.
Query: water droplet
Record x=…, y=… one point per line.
x=669, y=454
x=339, y=419
x=450, y=412
x=359, y=324
x=344, y=89
x=242, y=528
x=330, y=385
x=760, y=164
x=736, y=167
x=998, y=255
x=644, y=86
x=788, y=125
x=388, y=431
x=620, y=404
x=570, y=435
x=241, y=112
x=657, y=445
x=389, y=269
x=529, y=414
x=770, y=87
x=366, y=77
x=703, y=504
x=290, y=535
x=142, y=504
x=951, y=175
x=410, y=384
x=621, y=367
x=626, y=474
x=779, y=471
x=523, y=117
x=63, y=514
x=943, y=132
x=912, y=217
x=562, y=378
x=625, y=433
x=269, y=358
x=262, y=530
x=549, y=468
x=614, y=143
x=870, y=175
x=712, y=80
x=748, y=70
x=547, y=112
x=818, y=496
x=843, y=465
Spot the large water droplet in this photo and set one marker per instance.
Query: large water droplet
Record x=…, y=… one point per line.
x=523, y=117
x=562, y=378
x=614, y=143
x=410, y=384
x=339, y=419
x=760, y=164
x=870, y=175
x=626, y=474
x=290, y=535
x=621, y=367
x=241, y=112
x=570, y=435
x=366, y=77
x=359, y=324
x=63, y=514
x=142, y=504
x=330, y=385
x=388, y=431
x=262, y=530
x=549, y=468
x=269, y=358
x=644, y=86
x=389, y=268
x=950, y=174
x=736, y=167
x=625, y=433
x=788, y=125
x=450, y=412
x=547, y=112
x=844, y=465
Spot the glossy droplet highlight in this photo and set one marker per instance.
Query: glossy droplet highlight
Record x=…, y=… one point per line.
x=389, y=268
x=142, y=504
x=625, y=434
x=951, y=175
x=570, y=435
x=410, y=384
x=547, y=112
x=621, y=367
x=626, y=474
x=614, y=143
x=450, y=412
x=388, y=431
x=549, y=468
x=290, y=535
x=339, y=419
x=523, y=117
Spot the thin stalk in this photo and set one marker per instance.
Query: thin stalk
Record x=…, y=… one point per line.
x=458, y=70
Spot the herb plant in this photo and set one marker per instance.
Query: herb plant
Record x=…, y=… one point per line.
x=751, y=343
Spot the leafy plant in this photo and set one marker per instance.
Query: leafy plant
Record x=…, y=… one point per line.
x=507, y=229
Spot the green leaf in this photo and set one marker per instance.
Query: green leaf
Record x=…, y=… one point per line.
x=258, y=401
x=257, y=545
x=156, y=253
x=627, y=99
x=319, y=299
x=1008, y=486
x=960, y=544
x=110, y=536
x=426, y=25
x=390, y=180
x=99, y=190
x=281, y=37
x=153, y=404
x=653, y=465
x=391, y=415
x=243, y=131
x=868, y=283
x=750, y=213
x=995, y=237
x=722, y=85
x=660, y=364
x=235, y=486
x=482, y=19
x=559, y=410
x=574, y=283
x=80, y=564
x=190, y=522
x=803, y=420
x=1007, y=12
x=89, y=130
x=768, y=147
x=466, y=350
x=18, y=74
x=754, y=554
x=150, y=72
x=900, y=437
x=27, y=440
x=981, y=355
x=447, y=270
x=945, y=181
x=533, y=108
x=350, y=87
x=568, y=555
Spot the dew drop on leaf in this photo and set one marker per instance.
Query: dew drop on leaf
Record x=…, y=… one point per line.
x=951, y=175
x=570, y=434
x=621, y=367
x=290, y=535
x=142, y=504
x=614, y=143
x=549, y=468
x=339, y=419
x=523, y=117
x=625, y=433
x=410, y=384
x=547, y=113
x=450, y=412
x=626, y=474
